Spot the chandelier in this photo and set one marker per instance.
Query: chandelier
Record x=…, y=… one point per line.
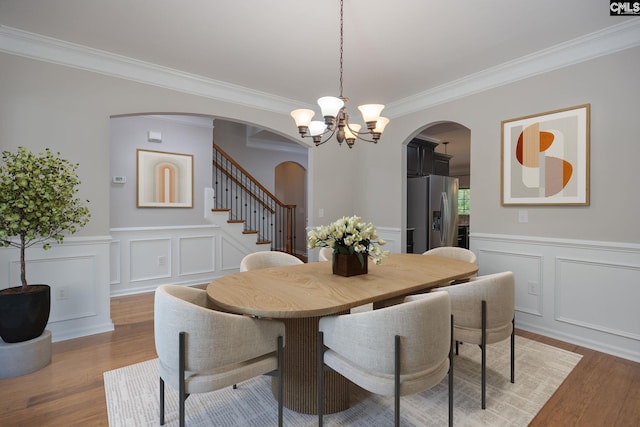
x=336, y=119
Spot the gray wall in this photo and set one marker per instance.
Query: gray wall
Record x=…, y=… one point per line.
x=129, y=134
x=69, y=110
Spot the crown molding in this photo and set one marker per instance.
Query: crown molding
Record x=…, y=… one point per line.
x=34, y=46
x=604, y=42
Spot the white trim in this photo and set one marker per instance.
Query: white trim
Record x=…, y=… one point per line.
x=30, y=45
x=590, y=46
x=552, y=241
x=43, y=48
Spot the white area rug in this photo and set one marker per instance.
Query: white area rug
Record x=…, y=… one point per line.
x=132, y=395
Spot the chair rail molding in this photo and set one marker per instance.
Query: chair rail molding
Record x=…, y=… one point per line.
x=580, y=291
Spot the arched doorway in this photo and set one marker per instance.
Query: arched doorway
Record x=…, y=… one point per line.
x=440, y=148
x=291, y=189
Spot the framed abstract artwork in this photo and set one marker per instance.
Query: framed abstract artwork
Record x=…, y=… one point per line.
x=545, y=158
x=165, y=180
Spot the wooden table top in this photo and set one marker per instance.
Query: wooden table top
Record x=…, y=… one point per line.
x=311, y=290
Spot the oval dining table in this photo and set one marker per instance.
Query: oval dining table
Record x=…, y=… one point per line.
x=299, y=295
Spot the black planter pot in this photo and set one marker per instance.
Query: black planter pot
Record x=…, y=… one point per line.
x=24, y=315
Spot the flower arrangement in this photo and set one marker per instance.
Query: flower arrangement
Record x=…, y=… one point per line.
x=348, y=236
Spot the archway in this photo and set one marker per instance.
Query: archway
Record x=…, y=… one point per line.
x=441, y=148
x=291, y=189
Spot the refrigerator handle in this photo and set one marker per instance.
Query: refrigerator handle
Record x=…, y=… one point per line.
x=444, y=208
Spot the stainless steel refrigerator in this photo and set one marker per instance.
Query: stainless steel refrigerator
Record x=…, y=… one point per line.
x=432, y=212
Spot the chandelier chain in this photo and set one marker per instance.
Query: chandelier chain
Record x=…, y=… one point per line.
x=341, y=43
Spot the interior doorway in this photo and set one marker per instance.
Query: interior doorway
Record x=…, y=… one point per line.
x=443, y=148
x=291, y=189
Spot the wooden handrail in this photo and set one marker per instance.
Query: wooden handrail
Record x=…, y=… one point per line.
x=244, y=171
x=240, y=184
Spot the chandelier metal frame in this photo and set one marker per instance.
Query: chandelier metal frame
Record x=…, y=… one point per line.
x=336, y=119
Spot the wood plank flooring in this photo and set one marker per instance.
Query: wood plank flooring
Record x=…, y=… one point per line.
x=602, y=390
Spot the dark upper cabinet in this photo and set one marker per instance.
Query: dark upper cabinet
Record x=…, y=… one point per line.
x=423, y=160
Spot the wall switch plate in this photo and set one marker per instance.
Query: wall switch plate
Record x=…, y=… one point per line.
x=523, y=216
x=119, y=179
x=534, y=288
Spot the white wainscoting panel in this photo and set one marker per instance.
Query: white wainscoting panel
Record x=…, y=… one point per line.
x=232, y=253
x=115, y=265
x=78, y=273
x=599, y=295
x=142, y=258
x=588, y=292
x=196, y=255
x=149, y=259
x=526, y=267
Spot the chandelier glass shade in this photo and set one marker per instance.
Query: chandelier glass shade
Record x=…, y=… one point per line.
x=335, y=118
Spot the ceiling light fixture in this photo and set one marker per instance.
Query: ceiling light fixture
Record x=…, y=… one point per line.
x=336, y=119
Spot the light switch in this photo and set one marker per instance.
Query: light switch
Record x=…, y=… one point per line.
x=523, y=216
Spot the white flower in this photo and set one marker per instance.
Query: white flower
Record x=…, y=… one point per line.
x=348, y=235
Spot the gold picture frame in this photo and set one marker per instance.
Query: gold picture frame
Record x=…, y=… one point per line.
x=545, y=158
x=164, y=180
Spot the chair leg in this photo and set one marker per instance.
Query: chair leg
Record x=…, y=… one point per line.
x=513, y=350
x=320, y=369
x=483, y=348
x=457, y=348
x=181, y=369
x=451, y=376
x=161, y=401
x=397, y=381
x=280, y=380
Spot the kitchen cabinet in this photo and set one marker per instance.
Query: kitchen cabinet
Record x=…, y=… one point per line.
x=422, y=159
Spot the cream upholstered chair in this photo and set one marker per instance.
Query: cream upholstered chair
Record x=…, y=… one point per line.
x=266, y=259
x=483, y=313
x=456, y=253
x=202, y=350
x=325, y=254
x=393, y=351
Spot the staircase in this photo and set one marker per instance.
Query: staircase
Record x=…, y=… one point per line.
x=250, y=205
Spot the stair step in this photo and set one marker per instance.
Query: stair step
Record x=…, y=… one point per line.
x=235, y=221
x=263, y=242
x=250, y=232
x=220, y=210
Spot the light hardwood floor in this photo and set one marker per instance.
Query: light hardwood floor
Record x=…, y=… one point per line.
x=602, y=390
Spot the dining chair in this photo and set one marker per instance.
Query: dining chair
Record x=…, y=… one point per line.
x=393, y=351
x=326, y=254
x=483, y=312
x=456, y=253
x=266, y=259
x=201, y=350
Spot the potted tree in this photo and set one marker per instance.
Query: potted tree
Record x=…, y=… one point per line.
x=38, y=203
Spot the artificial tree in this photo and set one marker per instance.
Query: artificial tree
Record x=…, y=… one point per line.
x=38, y=201
x=38, y=204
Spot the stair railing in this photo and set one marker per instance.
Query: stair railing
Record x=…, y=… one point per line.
x=248, y=201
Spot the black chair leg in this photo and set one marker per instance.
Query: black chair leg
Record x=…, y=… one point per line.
x=451, y=376
x=483, y=347
x=513, y=350
x=397, y=382
x=320, y=369
x=161, y=401
x=182, y=396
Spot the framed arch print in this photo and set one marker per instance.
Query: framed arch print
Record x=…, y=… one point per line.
x=165, y=180
x=545, y=158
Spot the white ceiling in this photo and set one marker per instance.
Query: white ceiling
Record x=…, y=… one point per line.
x=290, y=48
x=394, y=51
